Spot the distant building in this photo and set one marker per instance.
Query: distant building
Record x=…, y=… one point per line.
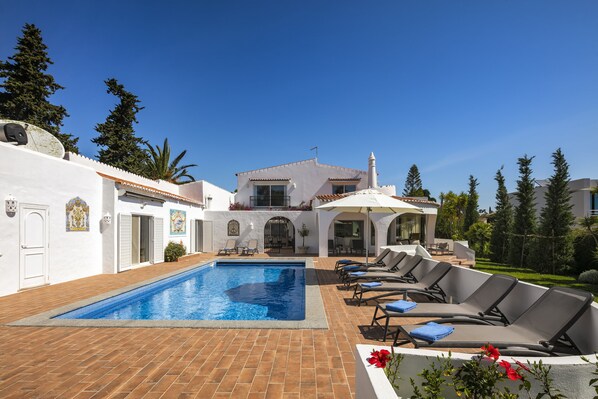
x=584, y=201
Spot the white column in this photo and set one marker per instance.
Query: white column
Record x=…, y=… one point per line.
x=324, y=220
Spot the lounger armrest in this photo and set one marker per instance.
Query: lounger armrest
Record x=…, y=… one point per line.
x=463, y=320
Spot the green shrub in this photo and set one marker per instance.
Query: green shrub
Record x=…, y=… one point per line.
x=585, y=250
x=478, y=236
x=589, y=277
x=174, y=251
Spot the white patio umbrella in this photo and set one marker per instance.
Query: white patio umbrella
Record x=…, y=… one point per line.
x=369, y=201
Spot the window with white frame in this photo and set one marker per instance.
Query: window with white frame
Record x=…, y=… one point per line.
x=343, y=188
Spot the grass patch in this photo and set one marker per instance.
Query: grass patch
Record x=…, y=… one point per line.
x=531, y=276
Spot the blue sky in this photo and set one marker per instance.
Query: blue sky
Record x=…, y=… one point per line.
x=458, y=88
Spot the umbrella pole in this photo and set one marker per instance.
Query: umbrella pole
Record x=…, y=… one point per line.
x=367, y=238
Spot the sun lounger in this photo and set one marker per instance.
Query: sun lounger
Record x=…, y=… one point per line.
x=379, y=261
x=251, y=248
x=481, y=304
x=428, y=286
x=401, y=272
x=540, y=330
x=229, y=248
x=392, y=265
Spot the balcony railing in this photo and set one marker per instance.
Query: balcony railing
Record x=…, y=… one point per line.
x=593, y=212
x=270, y=201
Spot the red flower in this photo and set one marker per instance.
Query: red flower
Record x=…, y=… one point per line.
x=491, y=351
x=523, y=366
x=506, y=365
x=379, y=358
x=512, y=374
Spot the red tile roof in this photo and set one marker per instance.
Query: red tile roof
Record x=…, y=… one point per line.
x=148, y=189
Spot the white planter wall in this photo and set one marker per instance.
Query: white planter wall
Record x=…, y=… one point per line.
x=571, y=375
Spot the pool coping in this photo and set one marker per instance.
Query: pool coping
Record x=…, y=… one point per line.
x=315, y=316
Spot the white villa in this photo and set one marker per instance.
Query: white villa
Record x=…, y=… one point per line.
x=73, y=217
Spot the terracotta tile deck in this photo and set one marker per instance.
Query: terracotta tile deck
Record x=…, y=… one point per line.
x=64, y=362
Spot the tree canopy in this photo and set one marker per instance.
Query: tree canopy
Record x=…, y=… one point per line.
x=160, y=167
x=503, y=222
x=555, y=244
x=413, y=183
x=450, y=215
x=524, y=223
x=27, y=87
x=118, y=144
x=471, y=210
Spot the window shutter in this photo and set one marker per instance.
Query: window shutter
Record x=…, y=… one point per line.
x=125, y=223
x=158, y=240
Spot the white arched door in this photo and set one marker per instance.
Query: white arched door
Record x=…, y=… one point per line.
x=33, y=245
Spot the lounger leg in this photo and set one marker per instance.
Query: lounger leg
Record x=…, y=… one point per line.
x=374, y=318
x=386, y=328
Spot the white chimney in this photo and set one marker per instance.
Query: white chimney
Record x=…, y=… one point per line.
x=372, y=175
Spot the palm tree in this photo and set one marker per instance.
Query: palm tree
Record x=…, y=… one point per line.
x=159, y=167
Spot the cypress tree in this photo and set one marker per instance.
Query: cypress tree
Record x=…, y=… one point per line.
x=524, y=223
x=119, y=145
x=27, y=87
x=555, y=245
x=503, y=221
x=413, y=183
x=471, y=211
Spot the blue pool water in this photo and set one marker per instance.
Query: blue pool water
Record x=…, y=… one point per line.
x=225, y=291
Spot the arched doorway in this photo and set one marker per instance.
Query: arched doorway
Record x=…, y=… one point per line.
x=347, y=235
x=408, y=228
x=279, y=235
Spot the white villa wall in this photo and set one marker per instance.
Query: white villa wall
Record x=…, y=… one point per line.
x=308, y=179
x=34, y=178
x=259, y=219
x=202, y=190
x=135, y=206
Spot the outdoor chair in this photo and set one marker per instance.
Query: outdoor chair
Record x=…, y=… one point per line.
x=441, y=248
x=393, y=265
x=428, y=286
x=229, y=248
x=401, y=271
x=481, y=304
x=540, y=330
x=251, y=248
x=379, y=261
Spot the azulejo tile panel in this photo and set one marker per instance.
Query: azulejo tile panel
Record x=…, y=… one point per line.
x=77, y=215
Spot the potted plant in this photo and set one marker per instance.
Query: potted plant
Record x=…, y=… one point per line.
x=303, y=232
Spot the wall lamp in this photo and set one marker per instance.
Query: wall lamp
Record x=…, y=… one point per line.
x=107, y=219
x=11, y=204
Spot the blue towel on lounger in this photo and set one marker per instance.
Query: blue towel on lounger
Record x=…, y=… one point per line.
x=356, y=274
x=432, y=331
x=372, y=284
x=352, y=267
x=401, y=306
x=345, y=261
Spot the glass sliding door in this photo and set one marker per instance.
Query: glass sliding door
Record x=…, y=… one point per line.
x=270, y=196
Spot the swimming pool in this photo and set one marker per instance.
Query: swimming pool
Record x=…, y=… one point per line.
x=315, y=315
x=218, y=291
